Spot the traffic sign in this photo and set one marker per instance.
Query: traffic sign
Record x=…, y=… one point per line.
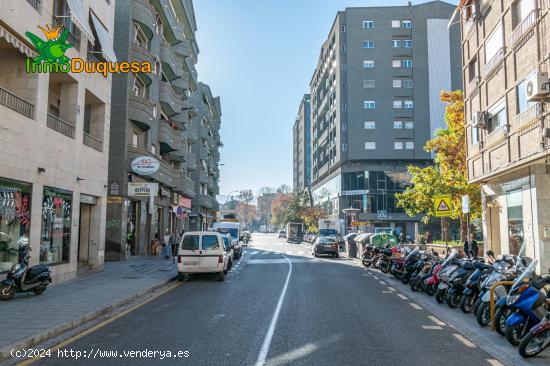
x=382, y=214
x=442, y=205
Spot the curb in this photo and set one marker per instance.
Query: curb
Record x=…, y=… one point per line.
x=5, y=353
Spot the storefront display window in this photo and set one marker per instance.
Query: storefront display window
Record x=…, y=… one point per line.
x=514, y=201
x=56, y=226
x=15, y=220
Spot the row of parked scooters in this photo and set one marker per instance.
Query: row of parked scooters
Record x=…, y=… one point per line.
x=521, y=303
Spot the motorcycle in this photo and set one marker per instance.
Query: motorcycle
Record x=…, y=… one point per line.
x=21, y=278
x=471, y=288
x=444, y=277
x=397, y=268
x=417, y=282
x=538, y=337
x=411, y=265
x=432, y=282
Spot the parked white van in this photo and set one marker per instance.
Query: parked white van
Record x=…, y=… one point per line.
x=202, y=252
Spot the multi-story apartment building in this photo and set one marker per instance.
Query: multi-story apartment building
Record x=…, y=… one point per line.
x=55, y=136
x=505, y=66
x=374, y=104
x=301, y=145
x=205, y=157
x=150, y=186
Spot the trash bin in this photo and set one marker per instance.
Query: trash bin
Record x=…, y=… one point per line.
x=350, y=244
x=381, y=239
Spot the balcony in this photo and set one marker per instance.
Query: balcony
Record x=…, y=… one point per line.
x=144, y=13
x=472, y=85
x=93, y=142
x=166, y=175
x=140, y=111
x=192, y=136
x=523, y=30
x=208, y=202
x=141, y=54
x=186, y=186
x=16, y=103
x=203, y=176
x=191, y=161
x=169, y=137
x=172, y=66
x=190, y=68
x=527, y=119
x=57, y=124
x=183, y=48
x=204, y=155
x=173, y=29
x=171, y=102
x=178, y=155
x=493, y=64
x=204, y=131
x=36, y=4
x=181, y=85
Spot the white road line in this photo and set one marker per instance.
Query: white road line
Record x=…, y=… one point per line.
x=432, y=327
x=494, y=362
x=375, y=277
x=269, y=335
x=403, y=297
x=382, y=282
x=435, y=320
x=391, y=289
x=416, y=306
x=387, y=292
x=466, y=342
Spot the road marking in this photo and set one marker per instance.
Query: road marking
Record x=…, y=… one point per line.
x=376, y=277
x=416, y=306
x=435, y=320
x=432, y=327
x=382, y=283
x=387, y=292
x=494, y=362
x=403, y=297
x=466, y=342
x=391, y=289
x=269, y=335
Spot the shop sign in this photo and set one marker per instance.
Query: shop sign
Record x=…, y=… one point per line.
x=145, y=165
x=185, y=202
x=114, y=199
x=143, y=189
x=115, y=189
x=360, y=223
x=164, y=192
x=354, y=193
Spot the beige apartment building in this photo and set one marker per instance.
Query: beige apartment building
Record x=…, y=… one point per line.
x=506, y=49
x=54, y=130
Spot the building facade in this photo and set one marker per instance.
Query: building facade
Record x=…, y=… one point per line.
x=205, y=155
x=151, y=114
x=505, y=65
x=301, y=145
x=55, y=137
x=374, y=104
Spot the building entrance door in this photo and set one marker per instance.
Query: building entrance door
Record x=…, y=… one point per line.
x=84, y=240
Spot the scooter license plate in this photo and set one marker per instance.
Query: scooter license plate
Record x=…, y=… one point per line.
x=442, y=286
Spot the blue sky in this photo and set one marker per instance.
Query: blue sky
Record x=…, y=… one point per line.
x=259, y=56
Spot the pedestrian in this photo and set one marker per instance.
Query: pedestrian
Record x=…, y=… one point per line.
x=173, y=243
x=166, y=248
x=402, y=239
x=428, y=237
x=471, y=250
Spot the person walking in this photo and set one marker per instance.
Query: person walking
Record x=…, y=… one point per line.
x=428, y=237
x=166, y=248
x=471, y=250
x=402, y=238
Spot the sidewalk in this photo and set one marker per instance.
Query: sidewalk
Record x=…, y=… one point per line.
x=28, y=320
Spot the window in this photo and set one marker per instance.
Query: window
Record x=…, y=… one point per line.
x=154, y=149
x=344, y=107
x=475, y=135
x=397, y=83
x=409, y=125
x=520, y=10
x=409, y=104
x=395, y=24
x=407, y=84
x=369, y=104
x=368, y=64
x=344, y=48
x=398, y=145
x=210, y=242
x=158, y=27
x=344, y=147
x=368, y=44
x=497, y=116
x=407, y=43
x=135, y=139
x=396, y=43
x=368, y=24
x=370, y=145
x=409, y=145
x=407, y=24
x=55, y=237
x=397, y=125
x=139, y=37
x=139, y=87
x=344, y=28
x=408, y=63
x=370, y=125
x=493, y=43
x=190, y=242
x=472, y=69
x=397, y=104
x=369, y=83
x=396, y=63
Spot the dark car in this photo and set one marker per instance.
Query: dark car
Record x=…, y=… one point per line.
x=325, y=245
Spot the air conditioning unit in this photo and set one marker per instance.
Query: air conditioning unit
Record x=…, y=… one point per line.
x=479, y=119
x=537, y=86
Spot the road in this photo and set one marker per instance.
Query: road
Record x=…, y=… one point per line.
x=304, y=311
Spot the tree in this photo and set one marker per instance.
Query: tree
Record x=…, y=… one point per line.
x=278, y=208
x=311, y=217
x=284, y=188
x=448, y=175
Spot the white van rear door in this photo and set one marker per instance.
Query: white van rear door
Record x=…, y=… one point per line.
x=211, y=250
x=189, y=253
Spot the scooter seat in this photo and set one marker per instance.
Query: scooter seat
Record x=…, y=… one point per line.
x=37, y=270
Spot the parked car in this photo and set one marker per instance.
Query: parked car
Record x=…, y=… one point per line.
x=325, y=245
x=229, y=251
x=202, y=252
x=282, y=234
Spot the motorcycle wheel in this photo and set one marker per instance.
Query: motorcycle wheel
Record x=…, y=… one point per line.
x=476, y=306
x=440, y=296
x=385, y=267
x=39, y=290
x=6, y=292
x=415, y=285
x=514, y=335
x=483, y=315
x=405, y=279
x=366, y=263
x=430, y=289
x=467, y=304
x=501, y=314
x=532, y=345
x=453, y=299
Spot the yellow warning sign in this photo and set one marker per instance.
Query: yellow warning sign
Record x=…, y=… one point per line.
x=442, y=205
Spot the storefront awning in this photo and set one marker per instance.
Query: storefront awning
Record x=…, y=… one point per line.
x=78, y=17
x=104, y=39
x=16, y=42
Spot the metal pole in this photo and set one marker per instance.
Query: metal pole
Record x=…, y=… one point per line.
x=468, y=245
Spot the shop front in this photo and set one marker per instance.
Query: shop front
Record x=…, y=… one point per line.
x=55, y=234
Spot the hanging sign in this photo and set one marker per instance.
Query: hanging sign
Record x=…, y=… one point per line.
x=145, y=165
x=143, y=189
x=465, y=204
x=442, y=205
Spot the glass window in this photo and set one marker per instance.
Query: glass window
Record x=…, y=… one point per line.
x=409, y=145
x=395, y=24
x=368, y=64
x=497, y=116
x=396, y=43
x=370, y=145
x=368, y=24
x=210, y=242
x=397, y=125
x=396, y=63
x=226, y=244
x=368, y=44
x=190, y=242
x=370, y=125
x=409, y=125
x=369, y=104
x=409, y=104
x=140, y=38
x=55, y=238
x=407, y=63
x=514, y=202
x=407, y=24
x=397, y=104
x=407, y=43
x=475, y=135
x=369, y=83
x=407, y=84
x=398, y=145
x=397, y=83
x=493, y=43
x=15, y=220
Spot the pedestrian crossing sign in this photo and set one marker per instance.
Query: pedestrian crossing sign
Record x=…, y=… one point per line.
x=442, y=205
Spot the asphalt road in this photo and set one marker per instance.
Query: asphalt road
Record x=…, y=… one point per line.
x=331, y=312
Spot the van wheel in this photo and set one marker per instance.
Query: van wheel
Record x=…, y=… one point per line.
x=221, y=276
x=181, y=276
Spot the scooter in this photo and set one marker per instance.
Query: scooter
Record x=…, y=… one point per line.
x=432, y=282
x=444, y=277
x=538, y=337
x=21, y=278
x=472, y=287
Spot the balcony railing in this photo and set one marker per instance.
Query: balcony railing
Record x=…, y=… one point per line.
x=36, y=4
x=491, y=65
x=525, y=118
x=93, y=142
x=524, y=29
x=60, y=126
x=16, y=103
